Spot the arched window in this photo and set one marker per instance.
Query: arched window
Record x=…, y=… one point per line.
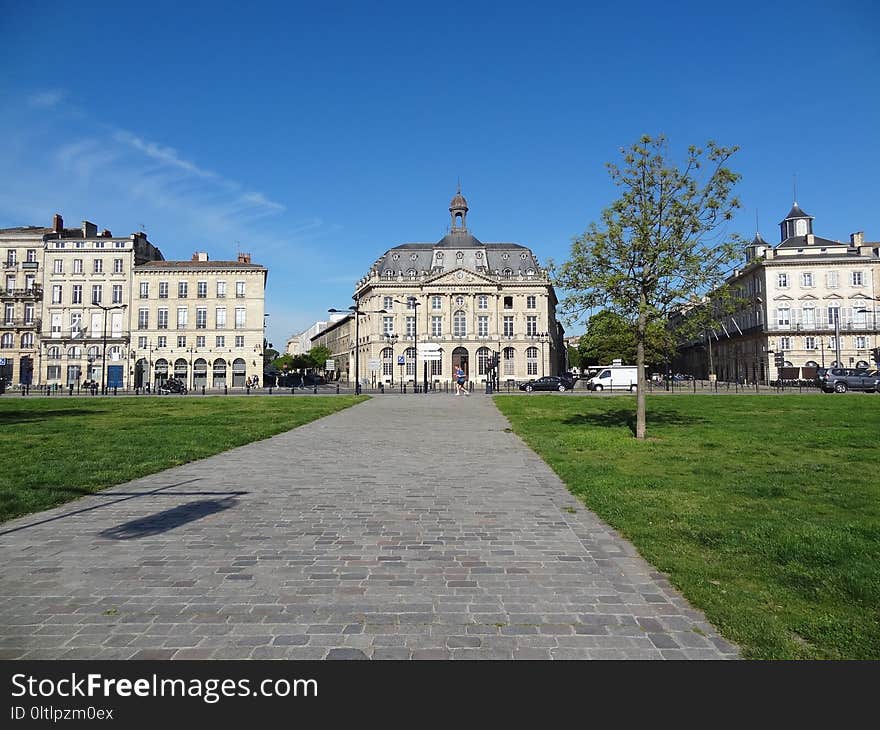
x=74, y=353
x=506, y=274
x=411, y=273
x=114, y=354
x=7, y=341
x=532, y=361
x=410, y=355
x=811, y=364
x=388, y=361
x=160, y=372
x=239, y=374
x=508, y=357
x=482, y=360
x=200, y=373
x=388, y=274
x=862, y=365
x=53, y=353
x=219, y=372
x=459, y=324
x=181, y=368
x=92, y=352
x=27, y=339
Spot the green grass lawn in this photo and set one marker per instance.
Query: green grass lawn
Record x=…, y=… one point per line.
x=56, y=449
x=763, y=510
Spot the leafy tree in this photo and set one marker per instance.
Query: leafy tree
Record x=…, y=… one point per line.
x=659, y=244
x=283, y=362
x=574, y=357
x=270, y=355
x=320, y=355
x=608, y=336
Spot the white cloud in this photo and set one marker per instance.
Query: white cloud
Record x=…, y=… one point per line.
x=45, y=99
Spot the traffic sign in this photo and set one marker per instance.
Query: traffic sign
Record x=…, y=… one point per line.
x=401, y=360
x=374, y=366
x=428, y=347
x=329, y=365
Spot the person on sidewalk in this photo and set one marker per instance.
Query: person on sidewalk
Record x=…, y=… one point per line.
x=459, y=382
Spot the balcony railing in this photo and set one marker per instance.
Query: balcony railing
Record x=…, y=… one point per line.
x=34, y=292
x=845, y=326
x=20, y=323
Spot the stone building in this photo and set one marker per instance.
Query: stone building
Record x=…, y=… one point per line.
x=200, y=321
x=456, y=302
x=814, y=300
x=80, y=306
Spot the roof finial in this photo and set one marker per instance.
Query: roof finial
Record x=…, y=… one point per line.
x=757, y=227
x=794, y=187
x=458, y=189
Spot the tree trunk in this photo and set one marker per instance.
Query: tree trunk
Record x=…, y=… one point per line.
x=641, y=329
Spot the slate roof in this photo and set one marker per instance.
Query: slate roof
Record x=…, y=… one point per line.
x=801, y=242
x=35, y=230
x=183, y=265
x=796, y=212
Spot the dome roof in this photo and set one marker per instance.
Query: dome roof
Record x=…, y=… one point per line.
x=458, y=202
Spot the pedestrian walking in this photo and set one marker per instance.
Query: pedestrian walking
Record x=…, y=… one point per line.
x=459, y=382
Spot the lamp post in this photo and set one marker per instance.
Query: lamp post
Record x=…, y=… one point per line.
x=414, y=304
x=358, y=313
x=837, y=335
x=391, y=338
x=104, y=355
x=541, y=337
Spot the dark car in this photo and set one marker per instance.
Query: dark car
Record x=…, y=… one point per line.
x=840, y=380
x=173, y=385
x=548, y=382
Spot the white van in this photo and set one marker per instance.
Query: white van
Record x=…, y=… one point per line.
x=615, y=377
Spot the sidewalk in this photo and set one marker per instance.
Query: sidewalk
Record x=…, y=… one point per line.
x=409, y=527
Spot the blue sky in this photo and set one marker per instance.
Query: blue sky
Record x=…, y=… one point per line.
x=318, y=135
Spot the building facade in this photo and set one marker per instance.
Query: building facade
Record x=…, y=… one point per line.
x=82, y=306
x=455, y=303
x=812, y=300
x=199, y=321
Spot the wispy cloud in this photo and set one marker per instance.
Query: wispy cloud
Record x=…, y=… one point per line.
x=45, y=99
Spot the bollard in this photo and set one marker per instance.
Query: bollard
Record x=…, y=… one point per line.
x=71, y=389
x=247, y=390
x=292, y=391
x=382, y=388
x=203, y=390
x=270, y=390
x=337, y=388
x=225, y=389
x=315, y=389
x=114, y=390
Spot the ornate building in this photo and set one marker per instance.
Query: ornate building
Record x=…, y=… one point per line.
x=454, y=303
x=810, y=300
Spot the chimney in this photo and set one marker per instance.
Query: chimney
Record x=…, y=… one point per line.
x=200, y=256
x=106, y=233
x=90, y=230
x=244, y=258
x=57, y=223
x=857, y=238
x=811, y=239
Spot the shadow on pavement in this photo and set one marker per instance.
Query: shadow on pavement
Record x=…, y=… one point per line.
x=169, y=519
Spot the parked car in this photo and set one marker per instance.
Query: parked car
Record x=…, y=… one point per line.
x=840, y=380
x=548, y=382
x=173, y=385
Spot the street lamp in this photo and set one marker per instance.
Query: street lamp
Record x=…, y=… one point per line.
x=104, y=356
x=541, y=337
x=414, y=304
x=391, y=338
x=353, y=309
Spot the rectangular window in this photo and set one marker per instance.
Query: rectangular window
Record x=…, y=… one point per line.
x=10, y=283
x=807, y=279
x=410, y=326
x=239, y=289
x=202, y=290
x=508, y=326
x=163, y=290
x=809, y=316
x=832, y=343
x=436, y=302
x=220, y=318
x=81, y=244
x=783, y=316
x=508, y=302
x=117, y=266
x=145, y=290
x=77, y=266
x=861, y=342
x=119, y=244
x=9, y=313
x=99, y=266
x=387, y=325
x=142, y=343
x=785, y=344
x=387, y=303
x=809, y=343
x=833, y=314
x=182, y=317
x=56, y=324
x=531, y=302
x=181, y=340
x=162, y=341
x=410, y=302
x=77, y=294
x=831, y=279
x=163, y=318
x=117, y=294
x=220, y=340
x=201, y=318
x=239, y=318
x=182, y=289
x=97, y=293
x=11, y=256
x=436, y=326
x=143, y=318
x=53, y=372
x=483, y=326
x=58, y=266
x=531, y=325
x=200, y=341
x=239, y=340
x=32, y=255
x=221, y=289
x=857, y=278
x=29, y=314
x=482, y=302
x=782, y=281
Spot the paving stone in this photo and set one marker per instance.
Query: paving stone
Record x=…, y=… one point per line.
x=355, y=553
